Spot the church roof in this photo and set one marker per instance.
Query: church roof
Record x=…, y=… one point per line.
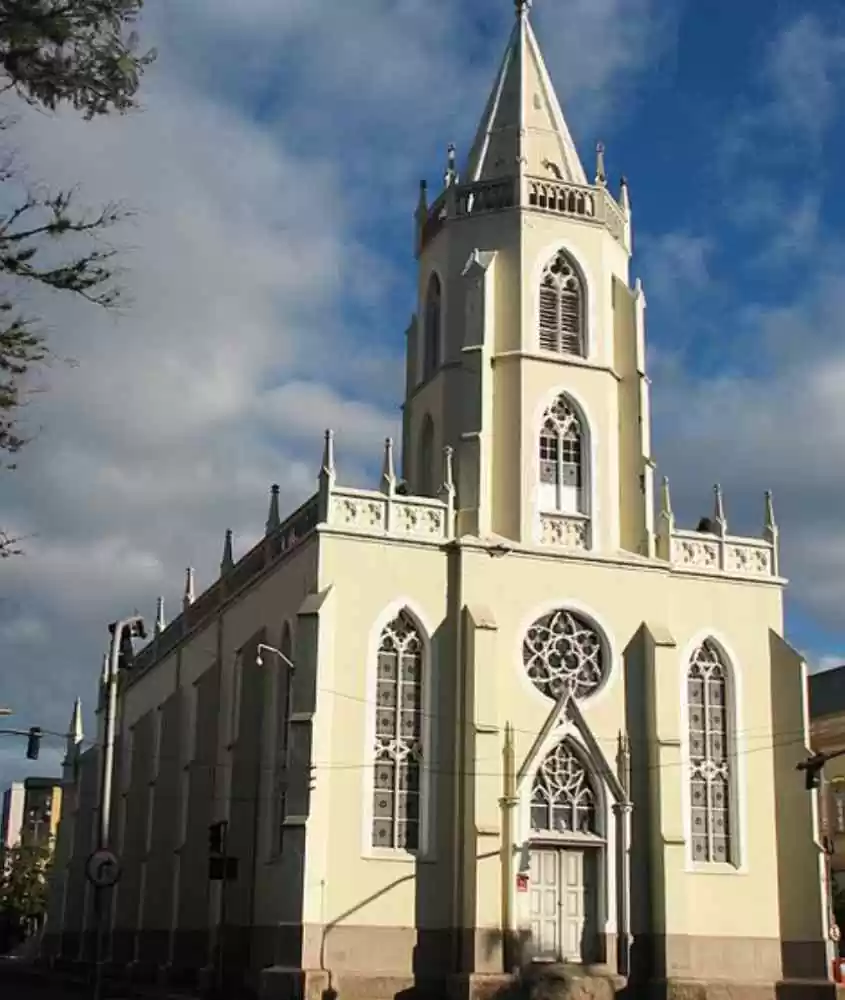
x=523, y=129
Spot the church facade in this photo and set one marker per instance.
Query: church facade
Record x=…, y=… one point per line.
x=494, y=711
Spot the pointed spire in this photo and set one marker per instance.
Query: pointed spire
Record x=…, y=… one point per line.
x=161, y=622
x=522, y=130
x=274, y=519
x=388, y=469
x=104, y=673
x=601, y=173
x=422, y=201
x=719, y=510
x=189, y=596
x=227, y=562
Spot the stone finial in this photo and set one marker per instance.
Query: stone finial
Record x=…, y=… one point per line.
x=665, y=498
x=388, y=469
x=328, y=468
x=227, y=563
x=73, y=744
x=422, y=202
x=189, y=596
x=74, y=733
x=770, y=524
x=448, y=471
x=719, y=510
x=451, y=175
x=601, y=173
x=623, y=761
x=522, y=7
x=161, y=622
x=274, y=518
x=624, y=196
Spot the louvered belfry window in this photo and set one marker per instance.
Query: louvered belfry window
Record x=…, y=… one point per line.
x=562, y=307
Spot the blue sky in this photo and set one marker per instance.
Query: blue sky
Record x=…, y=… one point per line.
x=274, y=170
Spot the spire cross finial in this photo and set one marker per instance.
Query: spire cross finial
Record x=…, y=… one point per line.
x=523, y=7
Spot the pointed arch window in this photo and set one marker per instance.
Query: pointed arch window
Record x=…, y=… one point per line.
x=562, y=798
x=562, y=307
x=708, y=697
x=284, y=683
x=562, y=467
x=397, y=791
x=432, y=328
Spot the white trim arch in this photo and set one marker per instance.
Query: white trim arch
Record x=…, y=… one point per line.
x=589, y=458
x=546, y=253
x=606, y=921
x=609, y=643
x=737, y=750
x=428, y=769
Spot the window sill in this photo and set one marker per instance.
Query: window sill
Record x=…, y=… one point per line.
x=397, y=855
x=715, y=868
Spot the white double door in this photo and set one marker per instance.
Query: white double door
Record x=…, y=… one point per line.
x=563, y=903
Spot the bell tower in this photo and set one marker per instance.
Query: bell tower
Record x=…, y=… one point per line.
x=527, y=351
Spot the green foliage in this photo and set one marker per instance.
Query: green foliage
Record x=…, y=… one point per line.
x=81, y=53
x=72, y=51
x=23, y=883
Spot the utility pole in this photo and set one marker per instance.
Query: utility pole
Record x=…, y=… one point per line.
x=122, y=633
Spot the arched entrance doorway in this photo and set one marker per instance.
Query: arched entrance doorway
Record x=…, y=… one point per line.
x=567, y=852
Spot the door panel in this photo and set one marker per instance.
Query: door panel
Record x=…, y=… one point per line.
x=563, y=903
x=545, y=903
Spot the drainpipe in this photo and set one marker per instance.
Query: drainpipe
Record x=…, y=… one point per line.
x=507, y=804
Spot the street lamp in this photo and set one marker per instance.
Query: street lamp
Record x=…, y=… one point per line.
x=259, y=660
x=120, y=654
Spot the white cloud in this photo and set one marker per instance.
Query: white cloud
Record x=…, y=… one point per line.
x=272, y=168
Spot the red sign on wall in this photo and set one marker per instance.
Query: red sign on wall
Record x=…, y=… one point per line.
x=521, y=883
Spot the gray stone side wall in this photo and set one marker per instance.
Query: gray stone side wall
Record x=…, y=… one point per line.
x=154, y=937
x=244, y=804
x=191, y=937
x=641, y=862
x=83, y=842
x=134, y=840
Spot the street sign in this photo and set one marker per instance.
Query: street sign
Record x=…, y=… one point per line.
x=102, y=869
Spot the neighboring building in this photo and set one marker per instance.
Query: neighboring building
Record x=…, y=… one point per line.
x=827, y=735
x=31, y=812
x=525, y=721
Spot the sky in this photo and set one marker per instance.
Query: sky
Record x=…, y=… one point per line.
x=273, y=171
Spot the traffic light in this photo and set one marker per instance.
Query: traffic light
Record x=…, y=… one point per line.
x=33, y=743
x=217, y=837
